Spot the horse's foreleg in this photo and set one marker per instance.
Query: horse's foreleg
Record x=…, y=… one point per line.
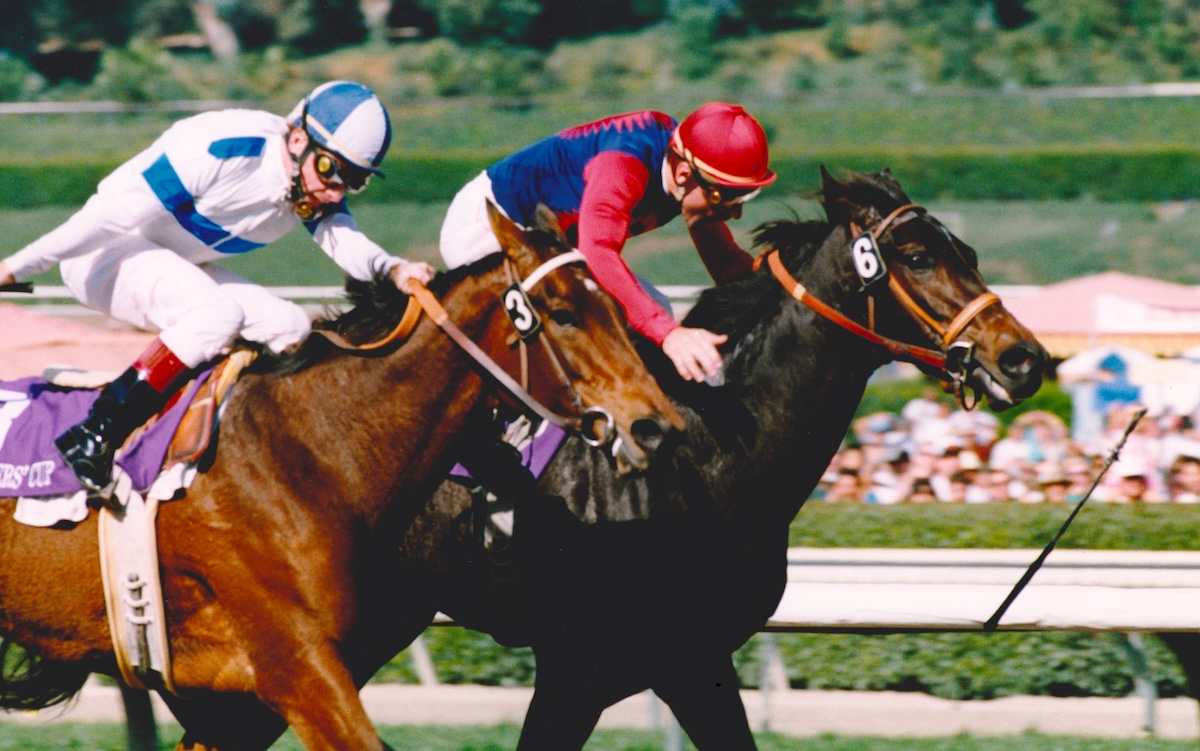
x=558, y=719
x=318, y=697
x=569, y=696
x=703, y=695
x=224, y=722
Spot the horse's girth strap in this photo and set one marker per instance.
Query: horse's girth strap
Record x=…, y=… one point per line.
x=408, y=322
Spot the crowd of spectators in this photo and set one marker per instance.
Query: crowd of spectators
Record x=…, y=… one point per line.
x=935, y=452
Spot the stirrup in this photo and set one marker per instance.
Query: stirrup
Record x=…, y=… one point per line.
x=90, y=458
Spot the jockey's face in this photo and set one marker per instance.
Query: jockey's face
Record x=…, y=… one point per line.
x=697, y=204
x=317, y=191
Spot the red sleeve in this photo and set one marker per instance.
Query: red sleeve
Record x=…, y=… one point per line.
x=613, y=183
x=721, y=254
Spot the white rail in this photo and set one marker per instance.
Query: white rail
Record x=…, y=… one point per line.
x=958, y=590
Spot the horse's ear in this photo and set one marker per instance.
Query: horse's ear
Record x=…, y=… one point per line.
x=548, y=220
x=508, y=232
x=834, y=196
x=513, y=238
x=841, y=207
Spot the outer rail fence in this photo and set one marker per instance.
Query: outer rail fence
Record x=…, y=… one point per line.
x=1129, y=592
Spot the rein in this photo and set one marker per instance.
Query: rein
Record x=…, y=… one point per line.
x=422, y=300
x=439, y=316
x=947, y=334
x=408, y=322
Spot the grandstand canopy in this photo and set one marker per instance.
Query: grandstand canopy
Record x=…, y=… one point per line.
x=1109, y=309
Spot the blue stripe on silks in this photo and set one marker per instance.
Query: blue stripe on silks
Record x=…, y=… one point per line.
x=227, y=148
x=236, y=245
x=165, y=182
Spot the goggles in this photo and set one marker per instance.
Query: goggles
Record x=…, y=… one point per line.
x=335, y=174
x=718, y=195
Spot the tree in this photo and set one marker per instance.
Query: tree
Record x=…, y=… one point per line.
x=475, y=21
x=580, y=18
x=771, y=15
x=309, y=26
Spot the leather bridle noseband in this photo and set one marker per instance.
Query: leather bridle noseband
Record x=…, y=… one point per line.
x=594, y=424
x=954, y=356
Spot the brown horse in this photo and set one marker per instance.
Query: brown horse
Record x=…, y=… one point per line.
x=698, y=563
x=278, y=561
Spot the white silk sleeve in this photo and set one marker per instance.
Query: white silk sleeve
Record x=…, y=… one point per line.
x=353, y=252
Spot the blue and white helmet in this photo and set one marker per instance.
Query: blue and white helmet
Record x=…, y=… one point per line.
x=347, y=119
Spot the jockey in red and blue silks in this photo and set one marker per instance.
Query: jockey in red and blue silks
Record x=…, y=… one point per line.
x=621, y=176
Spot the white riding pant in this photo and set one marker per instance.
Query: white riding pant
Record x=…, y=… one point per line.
x=467, y=232
x=197, y=309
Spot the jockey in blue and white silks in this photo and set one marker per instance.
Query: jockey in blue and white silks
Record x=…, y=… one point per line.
x=213, y=185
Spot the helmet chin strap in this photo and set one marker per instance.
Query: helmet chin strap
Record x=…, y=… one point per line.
x=299, y=198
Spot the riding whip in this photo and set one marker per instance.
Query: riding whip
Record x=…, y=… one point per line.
x=17, y=287
x=994, y=621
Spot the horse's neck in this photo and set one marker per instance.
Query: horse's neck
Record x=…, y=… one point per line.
x=799, y=378
x=802, y=406
x=383, y=428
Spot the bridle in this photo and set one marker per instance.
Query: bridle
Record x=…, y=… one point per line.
x=594, y=424
x=955, y=355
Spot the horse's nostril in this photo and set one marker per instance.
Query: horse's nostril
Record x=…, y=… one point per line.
x=1020, y=361
x=648, y=433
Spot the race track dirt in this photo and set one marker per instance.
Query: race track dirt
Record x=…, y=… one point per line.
x=31, y=341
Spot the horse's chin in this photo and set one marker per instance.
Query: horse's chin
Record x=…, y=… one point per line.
x=998, y=397
x=629, y=459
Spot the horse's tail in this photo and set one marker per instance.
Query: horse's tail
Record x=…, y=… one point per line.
x=28, y=681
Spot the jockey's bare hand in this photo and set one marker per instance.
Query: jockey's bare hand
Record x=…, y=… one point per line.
x=6, y=276
x=406, y=271
x=694, y=352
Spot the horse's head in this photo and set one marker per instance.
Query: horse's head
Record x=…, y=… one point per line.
x=922, y=285
x=571, y=339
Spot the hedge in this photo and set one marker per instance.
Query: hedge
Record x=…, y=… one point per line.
x=1103, y=173
x=1099, y=526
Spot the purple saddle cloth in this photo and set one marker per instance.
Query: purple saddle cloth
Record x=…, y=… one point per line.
x=535, y=456
x=33, y=412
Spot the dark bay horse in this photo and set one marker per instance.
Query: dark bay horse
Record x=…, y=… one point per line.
x=278, y=562
x=698, y=562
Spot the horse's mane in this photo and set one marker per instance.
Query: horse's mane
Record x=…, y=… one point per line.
x=376, y=308
x=731, y=308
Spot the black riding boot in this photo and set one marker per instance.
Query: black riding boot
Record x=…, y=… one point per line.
x=123, y=405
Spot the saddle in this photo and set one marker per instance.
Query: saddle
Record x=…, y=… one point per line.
x=194, y=434
x=128, y=537
x=184, y=428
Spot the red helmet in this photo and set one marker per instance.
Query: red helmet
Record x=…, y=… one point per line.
x=726, y=145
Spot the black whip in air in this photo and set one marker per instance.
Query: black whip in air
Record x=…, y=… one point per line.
x=991, y=623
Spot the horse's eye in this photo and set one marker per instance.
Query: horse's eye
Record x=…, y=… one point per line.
x=564, y=317
x=918, y=259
